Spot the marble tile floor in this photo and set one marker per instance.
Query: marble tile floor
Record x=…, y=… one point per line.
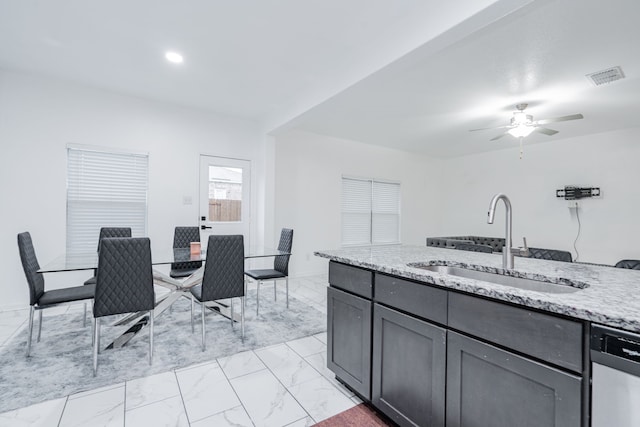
x=285, y=384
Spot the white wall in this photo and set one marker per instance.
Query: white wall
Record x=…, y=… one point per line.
x=308, y=172
x=610, y=225
x=39, y=116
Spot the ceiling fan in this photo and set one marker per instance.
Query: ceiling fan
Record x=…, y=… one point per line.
x=522, y=124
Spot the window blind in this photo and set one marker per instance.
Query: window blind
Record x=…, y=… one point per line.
x=104, y=189
x=370, y=212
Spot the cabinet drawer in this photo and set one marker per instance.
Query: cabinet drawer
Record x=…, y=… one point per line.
x=546, y=337
x=352, y=279
x=415, y=298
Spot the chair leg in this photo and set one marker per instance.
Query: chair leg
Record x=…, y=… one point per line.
x=151, y=316
x=242, y=318
x=275, y=295
x=31, y=312
x=96, y=344
x=287, y=284
x=84, y=319
x=192, y=303
x=231, y=303
x=39, y=325
x=258, y=297
x=203, y=337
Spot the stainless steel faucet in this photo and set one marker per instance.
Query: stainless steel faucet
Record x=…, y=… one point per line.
x=508, y=251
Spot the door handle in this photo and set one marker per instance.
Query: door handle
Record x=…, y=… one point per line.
x=204, y=227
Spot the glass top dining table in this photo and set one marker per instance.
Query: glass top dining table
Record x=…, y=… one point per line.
x=89, y=261
x=177, y=288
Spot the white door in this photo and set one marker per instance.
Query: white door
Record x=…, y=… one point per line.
x=224, y=197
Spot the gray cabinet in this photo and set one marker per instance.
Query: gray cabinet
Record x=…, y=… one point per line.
x=409, y=365
x=349, y=339
x=488, y=386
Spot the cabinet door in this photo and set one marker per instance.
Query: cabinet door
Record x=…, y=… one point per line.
x=349, y=340
x=487, y=386
x=409, y=365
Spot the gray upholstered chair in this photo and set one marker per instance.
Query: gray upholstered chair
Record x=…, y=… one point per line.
x=182, y=238
x=124, y=284
x=550, y=254
x=280, y=268
x=223, y=276
x=632, y=264
x=473, y=247
x=39, y=299
x=106, y=232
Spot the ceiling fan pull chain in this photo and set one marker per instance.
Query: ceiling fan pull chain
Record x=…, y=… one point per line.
x=521, y=148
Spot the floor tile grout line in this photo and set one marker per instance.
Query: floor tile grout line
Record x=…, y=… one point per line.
x=184, y=406
x=155, y=401
x=287, y=388
x=64, y=407
x=236, y=392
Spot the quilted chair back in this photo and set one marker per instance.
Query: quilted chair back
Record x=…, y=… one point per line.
x=31, y=267
x=182, y=238
x=224, y=268
x=632, y=264
x=125, y=279
x=281, y=262
x=106, y=232
x=550, y=254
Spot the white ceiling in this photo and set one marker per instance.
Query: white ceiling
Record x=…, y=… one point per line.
x=411, y=74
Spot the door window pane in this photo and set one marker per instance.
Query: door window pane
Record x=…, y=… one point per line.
x=225, y=194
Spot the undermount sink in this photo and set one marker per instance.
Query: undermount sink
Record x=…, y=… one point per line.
x=501, y=279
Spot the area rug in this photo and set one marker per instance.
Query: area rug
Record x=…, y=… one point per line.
x=61, y=363
x=359, y=416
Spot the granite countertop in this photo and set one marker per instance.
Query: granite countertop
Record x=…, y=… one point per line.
x=611, y=296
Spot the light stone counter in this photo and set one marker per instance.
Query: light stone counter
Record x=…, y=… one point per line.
x=611, y=296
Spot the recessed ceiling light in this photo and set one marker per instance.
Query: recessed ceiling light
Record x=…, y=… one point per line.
x=174, y=57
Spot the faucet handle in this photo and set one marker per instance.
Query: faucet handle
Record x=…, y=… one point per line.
x=525, y=250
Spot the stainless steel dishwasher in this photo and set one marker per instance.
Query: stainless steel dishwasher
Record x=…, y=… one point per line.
x=615, y=378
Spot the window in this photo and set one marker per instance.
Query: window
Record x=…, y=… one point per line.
x=370, y=212
x=104, y=189
x=225, y=194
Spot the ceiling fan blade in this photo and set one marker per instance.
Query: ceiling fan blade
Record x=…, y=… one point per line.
x=546, y=131
x=560, y=119
x=498, y=137
x=498, y=127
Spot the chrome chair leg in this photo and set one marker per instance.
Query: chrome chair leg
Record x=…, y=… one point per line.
x=98, y=338
x=203, y=309
x=39, y=325
x=96, y=341
x=231, y=304
x=275, y=295
x=287, y=283
x=84, y=319
x=242, y=318
x=258, y=297
x=151, y=316
x=192, y=303
x=31, y=312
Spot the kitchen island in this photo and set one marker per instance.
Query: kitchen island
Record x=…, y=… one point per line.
x=433, y=349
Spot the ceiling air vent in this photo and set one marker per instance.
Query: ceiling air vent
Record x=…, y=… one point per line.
x=606, y=76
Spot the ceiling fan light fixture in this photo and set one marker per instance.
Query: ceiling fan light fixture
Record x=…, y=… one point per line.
x=521, y=131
